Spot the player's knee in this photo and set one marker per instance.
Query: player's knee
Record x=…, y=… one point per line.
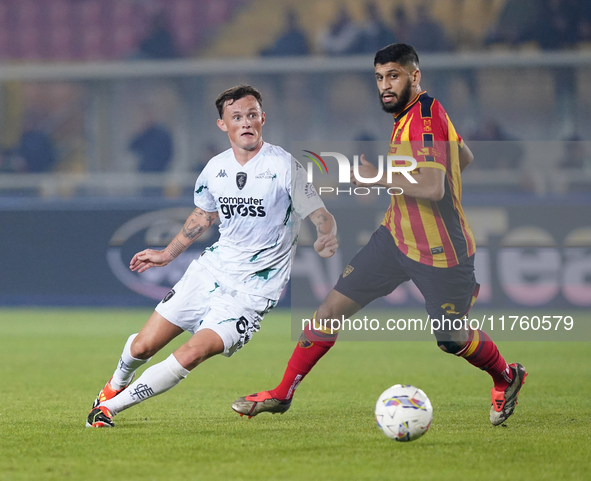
x=142, y=348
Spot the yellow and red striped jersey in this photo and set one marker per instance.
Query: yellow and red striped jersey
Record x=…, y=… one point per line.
x=432, y=233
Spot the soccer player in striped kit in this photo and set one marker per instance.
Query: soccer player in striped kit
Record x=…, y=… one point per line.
x=424, y=237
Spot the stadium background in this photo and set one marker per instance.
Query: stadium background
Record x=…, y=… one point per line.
x=107, y=117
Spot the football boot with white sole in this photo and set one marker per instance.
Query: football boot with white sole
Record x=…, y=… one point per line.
x=504, y=402
x=260, y=402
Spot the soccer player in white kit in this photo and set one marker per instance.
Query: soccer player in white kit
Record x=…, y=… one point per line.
x=223, y=295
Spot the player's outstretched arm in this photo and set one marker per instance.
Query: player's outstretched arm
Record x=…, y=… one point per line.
x=430, y=181
x=196, y=224
x=326, y=227
x=466, y=157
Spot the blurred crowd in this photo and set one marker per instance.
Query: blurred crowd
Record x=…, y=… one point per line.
x=34, y=152
x=543, y=24
x=152, y=145
x=551, y=24
x=168, y=29
x=83, y=30
x=345, y=36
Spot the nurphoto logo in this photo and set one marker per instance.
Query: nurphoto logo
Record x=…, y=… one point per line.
x=345, y=171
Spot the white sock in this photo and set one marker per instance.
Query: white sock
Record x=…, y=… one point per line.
x=155, y=380
x=127, y=366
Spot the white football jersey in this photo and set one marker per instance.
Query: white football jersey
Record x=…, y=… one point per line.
x=260, y=208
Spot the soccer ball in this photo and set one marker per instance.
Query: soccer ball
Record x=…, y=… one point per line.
x=404, y=412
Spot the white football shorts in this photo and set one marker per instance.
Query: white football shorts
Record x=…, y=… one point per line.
x=198, y=302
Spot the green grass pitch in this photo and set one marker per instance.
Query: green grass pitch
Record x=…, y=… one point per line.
x=53, y=362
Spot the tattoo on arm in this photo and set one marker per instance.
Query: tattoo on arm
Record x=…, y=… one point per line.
x=321, y=220
x=208, y=216
x=176, y=248
x=191, y=231
x=197, y=223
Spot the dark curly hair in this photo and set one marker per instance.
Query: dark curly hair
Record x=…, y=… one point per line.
x=399, y=53
x=236, y=93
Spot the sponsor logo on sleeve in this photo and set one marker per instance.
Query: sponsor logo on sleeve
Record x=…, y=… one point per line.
x=310, y=191
x=267, y=174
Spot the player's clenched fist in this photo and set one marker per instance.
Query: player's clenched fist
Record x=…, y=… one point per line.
x=326, y=245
